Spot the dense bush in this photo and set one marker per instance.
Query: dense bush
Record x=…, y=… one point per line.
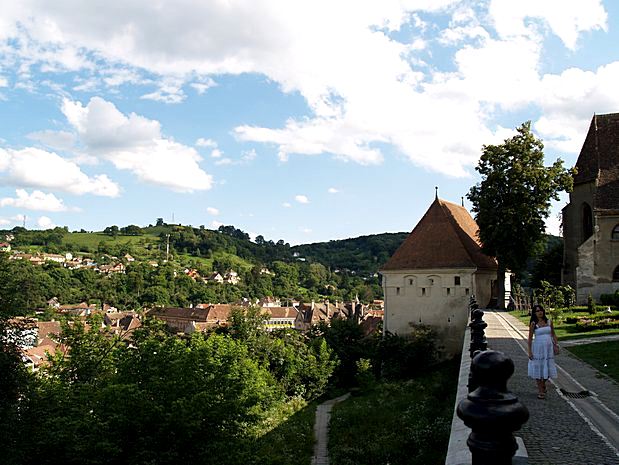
x=159, y=400
x=610, y=299
x=405, y=357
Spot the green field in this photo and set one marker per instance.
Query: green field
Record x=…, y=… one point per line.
x=144, y=246
x=603, y=356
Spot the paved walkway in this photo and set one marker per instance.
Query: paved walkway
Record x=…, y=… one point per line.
x=321, y=430
x=562, y=429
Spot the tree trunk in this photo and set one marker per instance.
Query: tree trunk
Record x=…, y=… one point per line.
x=500, y=286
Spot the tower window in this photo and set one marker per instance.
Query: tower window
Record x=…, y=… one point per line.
x=615, y=234
x=448, y=291
x=466, y=291
x=456, y=280
x=397, y=291
x=423, y=291
x=616, y=275
x=410, y=281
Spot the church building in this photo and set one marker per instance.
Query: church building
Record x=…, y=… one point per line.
x=591, y=219
x=430, y=278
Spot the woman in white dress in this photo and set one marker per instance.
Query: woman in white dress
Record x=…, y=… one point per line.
x=543, y=347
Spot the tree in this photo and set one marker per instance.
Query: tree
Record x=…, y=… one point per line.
x=111, y=231
x=132, y=230
x=513, y=199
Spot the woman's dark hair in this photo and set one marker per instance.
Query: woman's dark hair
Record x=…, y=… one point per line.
x=534, y=318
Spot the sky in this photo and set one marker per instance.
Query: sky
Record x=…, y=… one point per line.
x=297, y=120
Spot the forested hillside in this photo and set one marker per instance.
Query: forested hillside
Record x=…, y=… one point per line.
x=166, y=264
x=363, y=255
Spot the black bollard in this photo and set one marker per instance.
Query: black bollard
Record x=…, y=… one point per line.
x=473, y=384
x=491, y=411
x=472, y=306
x=478, y=335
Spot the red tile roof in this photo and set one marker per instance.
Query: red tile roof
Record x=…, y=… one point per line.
x=446, y=237
x=281, y=312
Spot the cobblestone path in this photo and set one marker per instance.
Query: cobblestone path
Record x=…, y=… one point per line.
x=561, y=430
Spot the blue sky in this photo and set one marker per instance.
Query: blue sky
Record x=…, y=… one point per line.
x=304, y=121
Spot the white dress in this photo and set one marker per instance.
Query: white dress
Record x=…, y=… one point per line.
x=543, y=364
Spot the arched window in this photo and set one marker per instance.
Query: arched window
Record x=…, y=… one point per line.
x=615, y=234
x=616, y=275
x=587, y=222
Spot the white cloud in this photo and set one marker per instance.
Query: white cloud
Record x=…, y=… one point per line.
x=216, y=153
x=36, y=200
x=248, y=156
x=3, y=82
x=305, y=230
x=286, y=205
x=32, y=167
x=332, y=190
x=363, y=88
x=202, y=142
x=569, y=100
x=56, y=140
x=135, y=143
x=216, y=224
x=45, y=222
x=301, y=198
x=566, y=18
x=169, y=91
x=202, y=87
x=212, y=211
x=4, y=222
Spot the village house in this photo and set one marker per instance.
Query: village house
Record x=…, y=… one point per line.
x=591, y=219
x=214, y=278
x=81, y=310
x=121, y=323
x=432, y=275
x=280, y=318
x=54, y=257
x=112, y=268
x=232, y=277
x=269, y=302
x=37, y=340
x=188, y=320
x=5, y=247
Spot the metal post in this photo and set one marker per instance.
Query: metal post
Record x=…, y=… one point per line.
x=491, y=411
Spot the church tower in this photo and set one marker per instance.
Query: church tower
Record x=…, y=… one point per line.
x=591, y=219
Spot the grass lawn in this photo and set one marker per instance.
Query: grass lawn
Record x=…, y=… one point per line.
x=286, y=437
x=397, y=423
x=604, y=356
x=564, y=330
x=90, y=241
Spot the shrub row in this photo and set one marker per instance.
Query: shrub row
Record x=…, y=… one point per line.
x=590, y=324
x=596, y=317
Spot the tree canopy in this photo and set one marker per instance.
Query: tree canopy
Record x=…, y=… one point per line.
x=513, y=198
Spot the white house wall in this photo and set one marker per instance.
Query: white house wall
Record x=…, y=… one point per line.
x=432, y=297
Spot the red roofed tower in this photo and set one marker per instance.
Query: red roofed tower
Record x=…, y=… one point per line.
x=432, y=275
